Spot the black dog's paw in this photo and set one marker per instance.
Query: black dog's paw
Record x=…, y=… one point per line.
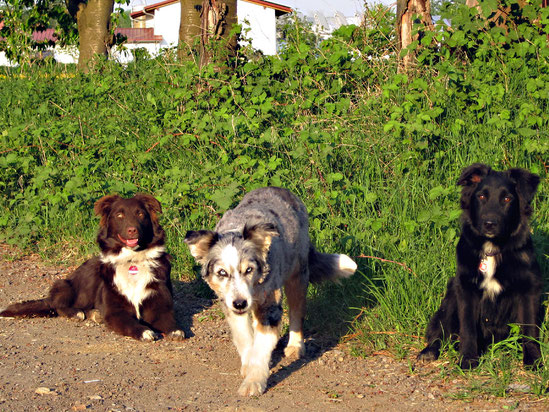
x=468, y=363
x=532, y=361
x=428, y=355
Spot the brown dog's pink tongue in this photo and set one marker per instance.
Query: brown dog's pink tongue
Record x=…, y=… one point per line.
x=132, y=242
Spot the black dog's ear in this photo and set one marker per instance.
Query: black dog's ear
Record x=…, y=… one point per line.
x=260, y=235
x=473, y=174
x=200, y=243
x=103, y=207
x=526, y=183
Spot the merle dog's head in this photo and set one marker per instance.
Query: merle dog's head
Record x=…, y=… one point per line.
x=496, y=204
x=131, y=223
x=233, y=262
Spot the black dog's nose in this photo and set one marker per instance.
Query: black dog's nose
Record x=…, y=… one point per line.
x=490, y=224
x=240, y=304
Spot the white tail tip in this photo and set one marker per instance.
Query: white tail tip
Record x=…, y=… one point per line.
x=347, y=266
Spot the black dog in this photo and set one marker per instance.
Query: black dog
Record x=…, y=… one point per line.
x=498, y=280
x=128, y=285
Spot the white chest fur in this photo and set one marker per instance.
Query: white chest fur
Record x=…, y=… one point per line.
x=134, y=273
x=487, y=267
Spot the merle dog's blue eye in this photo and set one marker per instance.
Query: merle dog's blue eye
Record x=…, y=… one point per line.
x=249, y=270
x=222, y=273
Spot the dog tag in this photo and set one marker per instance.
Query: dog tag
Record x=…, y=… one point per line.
x=133, y=270
x=483, y=267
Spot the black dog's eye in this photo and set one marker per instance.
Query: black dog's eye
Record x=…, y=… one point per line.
x=222, y=273
x=507, y=199
x=249, y=270
x=482, y=197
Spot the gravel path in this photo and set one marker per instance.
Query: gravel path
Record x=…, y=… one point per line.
x=59, y=364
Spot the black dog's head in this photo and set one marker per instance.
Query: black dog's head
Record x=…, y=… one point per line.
x=131, y=223
x=496, y=204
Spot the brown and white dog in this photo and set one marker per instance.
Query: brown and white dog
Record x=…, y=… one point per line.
x=128, y=285
x=258, y=248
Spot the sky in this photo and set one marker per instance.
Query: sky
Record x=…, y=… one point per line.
x=328, y=7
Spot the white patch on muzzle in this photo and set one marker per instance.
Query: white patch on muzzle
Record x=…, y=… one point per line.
x=237, y=286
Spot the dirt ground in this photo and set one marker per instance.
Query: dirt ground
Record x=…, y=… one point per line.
x=59, y=364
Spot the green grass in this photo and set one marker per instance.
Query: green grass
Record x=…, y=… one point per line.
x=374, y=155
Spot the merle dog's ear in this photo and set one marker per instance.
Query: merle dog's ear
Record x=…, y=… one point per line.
x=200, y=243
x=153, y=206
x=473, y=174
x=260, y=235
x=103, y=207
x=526, y=183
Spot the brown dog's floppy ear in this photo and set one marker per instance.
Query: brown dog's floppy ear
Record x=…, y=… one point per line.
x=473, y=174
x=526, y=183
x=260, y=235
x=103, y=207
x=200, y=242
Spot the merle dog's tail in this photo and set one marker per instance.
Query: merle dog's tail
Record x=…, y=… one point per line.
x=30, y=308
x=325, y=266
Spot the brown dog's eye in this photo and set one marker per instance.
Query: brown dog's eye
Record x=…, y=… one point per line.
x=120, y=215
x=222, y=273
x=140, y=214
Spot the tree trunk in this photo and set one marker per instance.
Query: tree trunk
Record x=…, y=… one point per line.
x=217, y=19
x=189, y=27
x=406, y=9
x=93, y=18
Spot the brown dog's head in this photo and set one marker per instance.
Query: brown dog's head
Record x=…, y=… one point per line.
x=131, y=223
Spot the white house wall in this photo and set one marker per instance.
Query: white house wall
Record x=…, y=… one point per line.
x=261, y=22
x=166, y=23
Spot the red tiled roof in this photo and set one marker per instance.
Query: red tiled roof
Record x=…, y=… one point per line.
x=133, y=35
x=139, y=35
x=46, y=35
x=152, y=7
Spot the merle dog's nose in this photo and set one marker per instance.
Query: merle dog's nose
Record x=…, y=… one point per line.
x=240, y=304
x=132, y=232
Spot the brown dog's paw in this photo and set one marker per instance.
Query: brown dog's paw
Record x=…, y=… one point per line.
x=176, y=335
x=149, y=336
x=95, y=316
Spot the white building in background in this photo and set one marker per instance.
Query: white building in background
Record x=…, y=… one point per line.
x=325, y=26
x=257, y=17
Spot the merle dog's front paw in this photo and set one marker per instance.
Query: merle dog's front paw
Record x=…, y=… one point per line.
x=468, y=363
x=428, y=355
x=251, y=387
